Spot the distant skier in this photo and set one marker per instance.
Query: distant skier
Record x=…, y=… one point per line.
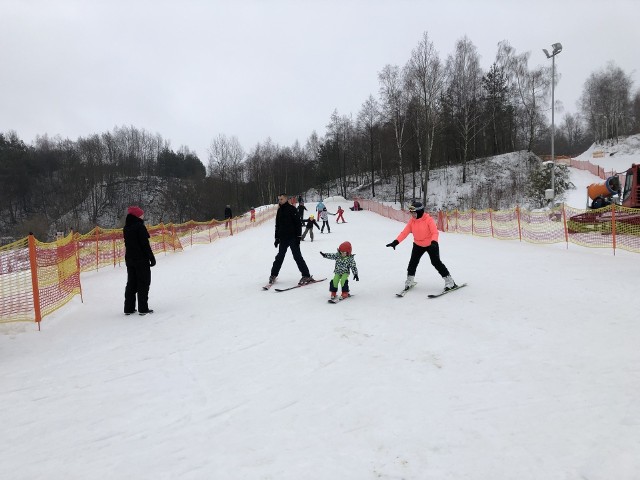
x=139, y=259
x=253, y=214
x=345, y=262
x=425, y=239
x=301, y=208
x=324, y=216
x=319, y=207
x=340, y=212
x=227, y=216
x=311, y=222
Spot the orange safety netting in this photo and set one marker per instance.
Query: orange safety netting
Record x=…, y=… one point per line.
x=16, y=292
x=57, y=273
x=37, y=278
x=609, y=227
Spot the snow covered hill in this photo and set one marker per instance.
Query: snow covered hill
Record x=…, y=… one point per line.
x=531, y=372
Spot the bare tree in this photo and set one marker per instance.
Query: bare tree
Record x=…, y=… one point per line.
x=529, y=89
x=428, y=78
x=395, y=100
x=606, y=103
x=368, y=122
x=464, y=92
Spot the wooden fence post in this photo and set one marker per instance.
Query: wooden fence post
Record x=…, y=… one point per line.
x=34, y=278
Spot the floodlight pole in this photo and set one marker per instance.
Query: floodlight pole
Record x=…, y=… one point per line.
x=557, y=48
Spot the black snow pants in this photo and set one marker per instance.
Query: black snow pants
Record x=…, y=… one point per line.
x=434, y=254
x=297, y=256
x=138, y=282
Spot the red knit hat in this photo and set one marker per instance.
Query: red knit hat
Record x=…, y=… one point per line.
x=345, y=247
x=136, y=211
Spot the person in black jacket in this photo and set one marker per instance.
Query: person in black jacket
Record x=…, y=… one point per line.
x=288, y=232
x=301, y=209
x=227, y=216
x=139, y=259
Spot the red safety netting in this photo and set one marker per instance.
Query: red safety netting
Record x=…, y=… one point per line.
x=36, y=278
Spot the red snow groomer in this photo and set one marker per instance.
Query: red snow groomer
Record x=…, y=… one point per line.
x=602, y=195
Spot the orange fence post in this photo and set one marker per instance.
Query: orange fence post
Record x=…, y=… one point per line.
x=519, y=226
x=231, y=228
x=613, y=226
x=566, y=230
x=34, y=278
x=97, y=248
x=472, y=221
x=491, y=222
x=77, y=254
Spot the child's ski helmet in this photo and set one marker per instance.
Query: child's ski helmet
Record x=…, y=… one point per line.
x=345, y=247
x=311, y=217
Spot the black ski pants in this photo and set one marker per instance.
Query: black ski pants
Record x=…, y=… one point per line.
x=434, y=255
x=325, y=223
x=138, y=282
x=294, y=244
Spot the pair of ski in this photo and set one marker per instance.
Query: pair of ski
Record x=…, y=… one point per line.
x=433, y=295
x=269, y=285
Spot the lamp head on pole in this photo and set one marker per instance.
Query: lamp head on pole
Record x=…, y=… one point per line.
x=557, y=48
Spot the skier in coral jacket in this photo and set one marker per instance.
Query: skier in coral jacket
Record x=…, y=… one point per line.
x=345, y=262
x=425, y=239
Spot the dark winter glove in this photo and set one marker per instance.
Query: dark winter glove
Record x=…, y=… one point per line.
x=356, y=278
x=276, y=243
x=393, y=244
x=323, y=254
x=433, y=244
x=152, y=261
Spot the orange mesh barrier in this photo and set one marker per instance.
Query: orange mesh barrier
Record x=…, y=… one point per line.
x=16, y=293
x=610, y=227
x=37, y=278
x=58, y=274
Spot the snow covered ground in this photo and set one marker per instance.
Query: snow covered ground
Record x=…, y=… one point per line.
x=531, y=372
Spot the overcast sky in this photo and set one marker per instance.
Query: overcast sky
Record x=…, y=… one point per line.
x=191, y=70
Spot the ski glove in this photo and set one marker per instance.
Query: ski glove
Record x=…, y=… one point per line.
x=393, y=244
x=276, y=243
x=152, y=261
x=355, y=277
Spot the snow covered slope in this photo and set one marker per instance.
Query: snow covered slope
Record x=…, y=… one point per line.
x=531, y=372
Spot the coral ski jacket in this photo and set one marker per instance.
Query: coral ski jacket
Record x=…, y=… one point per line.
x=424, y=230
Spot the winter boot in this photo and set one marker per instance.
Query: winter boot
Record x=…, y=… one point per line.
x=344, y=294
x=449, y=283
x=333, y=295
x=410, y=282
x=305, y=280
x=272, y=279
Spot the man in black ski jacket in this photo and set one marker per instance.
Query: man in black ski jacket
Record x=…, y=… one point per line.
x=139, y=259
x=288, y=232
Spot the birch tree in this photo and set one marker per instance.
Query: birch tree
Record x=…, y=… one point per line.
x=428, y=78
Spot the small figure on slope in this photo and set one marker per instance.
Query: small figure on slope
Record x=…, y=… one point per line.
x=311, y=221
x=339, y=213
x=324, y=216
x=345, y=262
x=425, y=239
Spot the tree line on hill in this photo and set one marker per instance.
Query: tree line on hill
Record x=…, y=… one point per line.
x=430, y=112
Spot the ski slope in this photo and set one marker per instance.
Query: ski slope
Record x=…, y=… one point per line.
x=531, y=372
